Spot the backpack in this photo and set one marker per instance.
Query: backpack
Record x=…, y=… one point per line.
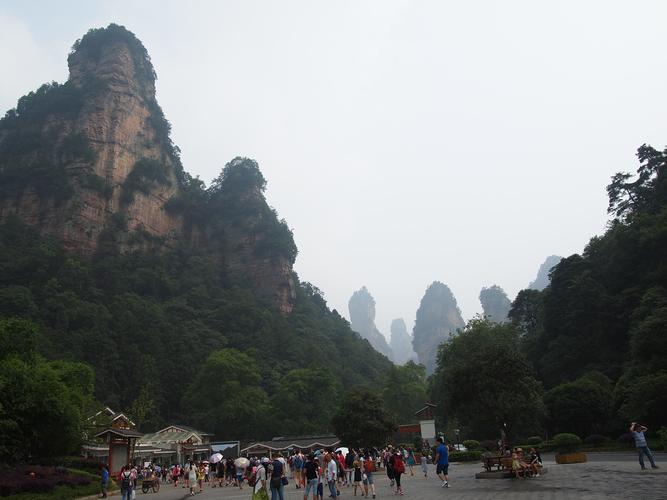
x=369, y=467
x=125, y=482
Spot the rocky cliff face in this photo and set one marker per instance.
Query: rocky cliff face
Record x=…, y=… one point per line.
x=362, y=320
x=495, y=303
x=542, y=279
x=93, y=156
x=91, y=132
x=437, y=317
x=401, y=342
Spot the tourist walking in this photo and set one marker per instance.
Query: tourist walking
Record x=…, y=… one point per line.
x=126, y=480
x=398, y=466
x=311, y=472
x=260, y=491
x=424, y=464
x=442, y=462
x=192, y=478
x=411, y=461
x=356, y=476
x=367, y=477
x=641, y=444
x=276, y=483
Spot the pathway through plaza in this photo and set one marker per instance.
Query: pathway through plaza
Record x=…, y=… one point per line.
x=605, y=476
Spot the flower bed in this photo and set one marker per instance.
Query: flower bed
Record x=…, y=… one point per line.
x=37, y=479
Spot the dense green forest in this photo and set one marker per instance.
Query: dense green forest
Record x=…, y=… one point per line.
x=587, y=354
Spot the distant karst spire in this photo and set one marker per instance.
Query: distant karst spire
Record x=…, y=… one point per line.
x=495, y=303
x=362, y=320
x=438, y=316
x=401, y=342
x=542, y=280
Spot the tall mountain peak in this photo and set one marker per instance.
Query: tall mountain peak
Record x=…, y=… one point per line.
x=438, y=316
x=362, y=320
x=543, y=279
x=115, y=56
x=91, y=162
x=495, y=303
x=401, y=342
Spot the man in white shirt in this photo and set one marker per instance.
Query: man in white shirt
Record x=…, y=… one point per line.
x=332, y=475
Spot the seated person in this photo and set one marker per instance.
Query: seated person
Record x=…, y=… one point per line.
x=518, y=457
x=535, y=462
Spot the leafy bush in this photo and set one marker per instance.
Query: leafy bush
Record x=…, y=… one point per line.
x=488, y=444
x=465, y=456
x=534, y=440
x=471, y=444
x=566, y=442
x=146, y=173
x=663, y=437
x=596, y=440
x=626, y=438
x=38, y=479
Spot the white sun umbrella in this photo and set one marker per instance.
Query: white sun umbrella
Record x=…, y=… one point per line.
x=215, y=458
x=242, y=462
x=343, y=449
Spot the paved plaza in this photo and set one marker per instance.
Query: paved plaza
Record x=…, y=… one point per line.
x=605, y=476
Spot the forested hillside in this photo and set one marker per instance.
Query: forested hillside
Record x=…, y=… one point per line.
x=180, y=297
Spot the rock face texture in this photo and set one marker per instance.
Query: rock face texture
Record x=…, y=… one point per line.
x=362, y=320
x=495, y=303
x=437, y=317
x=542, y=279
x=401, y=343
x=91, y=160
x=92, y=131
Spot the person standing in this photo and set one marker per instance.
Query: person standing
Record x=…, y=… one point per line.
x=332, y=475
x=641, y=444
x=442, y=461
x=105, y=480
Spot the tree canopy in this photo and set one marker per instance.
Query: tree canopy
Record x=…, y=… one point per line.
x=484, y=381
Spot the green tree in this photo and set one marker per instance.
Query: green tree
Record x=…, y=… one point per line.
x=404, y=391
x=583, y=406
x=303, y=401
x=484, y=381
x=361, y=420
x=225, y=396
x=42, y=404
x=643, y=398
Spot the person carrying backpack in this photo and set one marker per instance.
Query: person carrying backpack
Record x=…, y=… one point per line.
x=126, y=480
x=398, y=467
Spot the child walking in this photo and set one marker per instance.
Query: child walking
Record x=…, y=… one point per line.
x=424, y=464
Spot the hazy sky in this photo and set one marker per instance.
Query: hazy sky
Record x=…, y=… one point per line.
x=404, y=142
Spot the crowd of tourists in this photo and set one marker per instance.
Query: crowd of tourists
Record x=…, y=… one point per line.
x=325, y=472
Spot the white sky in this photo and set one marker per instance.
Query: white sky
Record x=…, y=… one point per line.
x=404, y=142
